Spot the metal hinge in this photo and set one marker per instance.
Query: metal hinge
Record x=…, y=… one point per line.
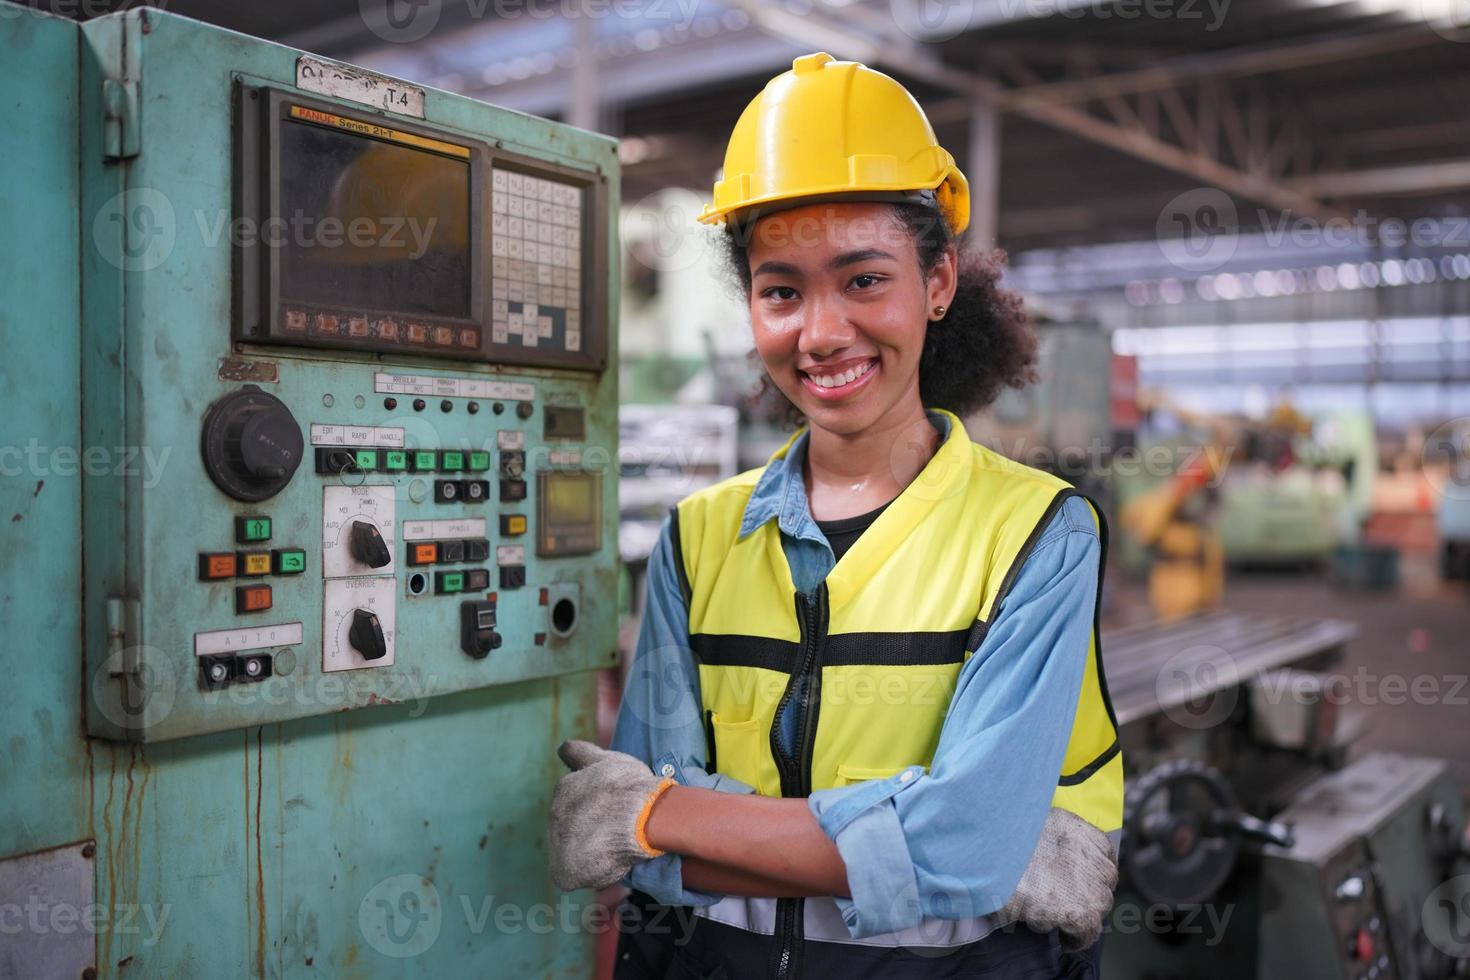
x=122, y=652
x=120, y=136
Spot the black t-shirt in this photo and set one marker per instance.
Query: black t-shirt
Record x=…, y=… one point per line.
x=842, y=533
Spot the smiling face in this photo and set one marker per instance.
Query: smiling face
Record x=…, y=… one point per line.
x=839, y=308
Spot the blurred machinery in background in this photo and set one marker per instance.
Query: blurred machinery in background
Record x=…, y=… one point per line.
x=1251, y=848
x=1452, y=516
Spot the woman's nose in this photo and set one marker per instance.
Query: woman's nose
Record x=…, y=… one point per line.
x=826, y=327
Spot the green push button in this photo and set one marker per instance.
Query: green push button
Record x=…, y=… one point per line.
x=395, y=461
x=448, y=582
x=452, y=461
x=479, y=461
x=288, y=561
x=367, y=459
x=424, y=461
x=248, y=529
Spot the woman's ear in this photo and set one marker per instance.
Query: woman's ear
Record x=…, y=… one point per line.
x=944, y=280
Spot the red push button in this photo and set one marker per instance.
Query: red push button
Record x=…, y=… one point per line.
x=216, y=565
x=252, y=598
x=1363, y=946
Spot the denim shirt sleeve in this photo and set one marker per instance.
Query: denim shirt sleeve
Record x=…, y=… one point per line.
x=660, y=720
x=953, y=843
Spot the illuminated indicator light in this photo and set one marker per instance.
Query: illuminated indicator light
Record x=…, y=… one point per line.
x=452, y=461
x=217, y=565
x=447, y=582
x=395, y=460
x=367, y=459
x=424, y=554
x=255, y=562
x=248, y=529
x=424, y=461
x=252, y=598
x=479, y=461
x=289, y=561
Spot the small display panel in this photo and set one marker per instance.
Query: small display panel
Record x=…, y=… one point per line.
x=570, y=512
x=536, y=246
x=373, y=224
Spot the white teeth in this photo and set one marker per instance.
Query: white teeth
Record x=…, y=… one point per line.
x=846, y=377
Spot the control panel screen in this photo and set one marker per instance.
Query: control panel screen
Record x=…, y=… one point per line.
x=374, y=233
x=373, y=224
x=569, y=509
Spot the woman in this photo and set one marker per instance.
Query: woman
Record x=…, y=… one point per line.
x=866, y=733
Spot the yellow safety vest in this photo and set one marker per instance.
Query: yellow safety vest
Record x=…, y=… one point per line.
x=887, y=633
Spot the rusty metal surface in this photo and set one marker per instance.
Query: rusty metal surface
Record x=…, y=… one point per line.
x=1153, y=668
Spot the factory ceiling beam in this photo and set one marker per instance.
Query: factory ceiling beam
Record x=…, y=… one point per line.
x=1177, y=72
x=1410, y=179
x=1126, y=133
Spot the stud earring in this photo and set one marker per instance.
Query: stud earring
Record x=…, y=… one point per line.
x=939, y=312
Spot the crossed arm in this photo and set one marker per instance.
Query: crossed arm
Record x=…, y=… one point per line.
x=869, y=843
x=739, y=844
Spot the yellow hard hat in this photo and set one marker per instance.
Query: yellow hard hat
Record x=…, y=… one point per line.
x=835, y=130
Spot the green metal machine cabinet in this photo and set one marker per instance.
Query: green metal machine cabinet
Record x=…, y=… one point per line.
x=309, y=509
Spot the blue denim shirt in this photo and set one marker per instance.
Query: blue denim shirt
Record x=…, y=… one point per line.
x=950, y=843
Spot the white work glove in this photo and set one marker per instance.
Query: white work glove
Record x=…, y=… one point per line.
x=1069, y=883
x=597, y=816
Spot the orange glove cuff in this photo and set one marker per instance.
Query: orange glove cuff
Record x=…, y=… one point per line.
x=641, y=826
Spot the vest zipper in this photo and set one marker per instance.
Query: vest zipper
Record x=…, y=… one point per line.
x=796, y=772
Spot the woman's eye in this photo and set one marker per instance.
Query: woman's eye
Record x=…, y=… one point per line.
x=871, y=278
x=777, y=289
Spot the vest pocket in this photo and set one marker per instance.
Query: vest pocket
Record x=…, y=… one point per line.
x=847, y=775
x=742, y=752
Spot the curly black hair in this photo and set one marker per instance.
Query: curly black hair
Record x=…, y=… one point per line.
x=983, y=343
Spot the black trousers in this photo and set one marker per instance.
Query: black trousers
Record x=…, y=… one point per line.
x=660, y=942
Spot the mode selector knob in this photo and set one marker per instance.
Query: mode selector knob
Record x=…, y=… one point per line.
x=366, y=543
x=251, y=444
x=366, y=635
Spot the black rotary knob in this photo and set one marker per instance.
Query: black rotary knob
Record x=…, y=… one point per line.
x=366, y=543
x=251, y=444
x=366, y=635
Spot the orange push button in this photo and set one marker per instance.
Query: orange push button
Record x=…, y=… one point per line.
x=252, y=598
x=216, y=565
x=425, y=553
x=255, y=562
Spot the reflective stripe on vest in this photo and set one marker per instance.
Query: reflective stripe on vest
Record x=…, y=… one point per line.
x=906, y=606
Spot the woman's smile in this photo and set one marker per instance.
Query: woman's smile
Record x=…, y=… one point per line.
x=830, y=382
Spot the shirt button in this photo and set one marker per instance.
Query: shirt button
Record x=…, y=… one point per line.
x=908, y=774
x=668, y=769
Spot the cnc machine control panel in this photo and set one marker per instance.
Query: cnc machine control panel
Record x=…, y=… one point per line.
x=386, y=398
